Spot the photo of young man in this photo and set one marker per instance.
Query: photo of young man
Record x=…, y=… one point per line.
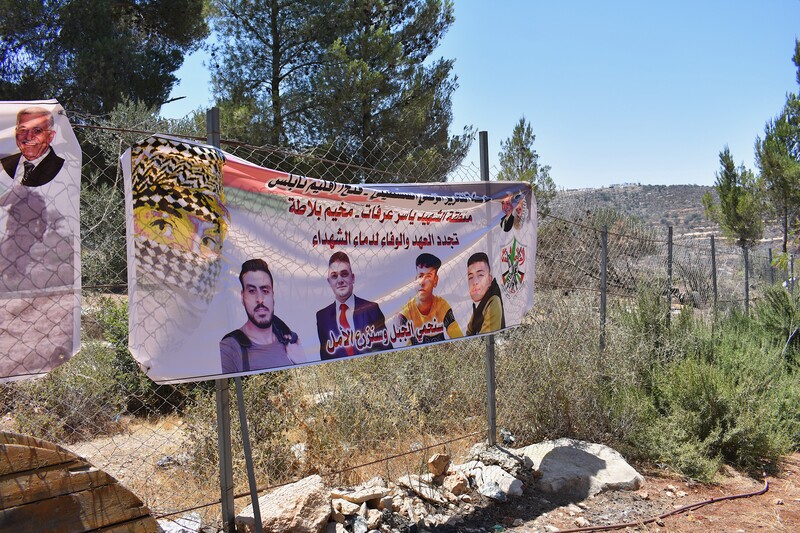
x=487, y=301
x=264, y=341
x=348, y=325
x=430, y=316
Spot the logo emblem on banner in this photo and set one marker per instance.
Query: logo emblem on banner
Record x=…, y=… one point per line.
x=513, y=259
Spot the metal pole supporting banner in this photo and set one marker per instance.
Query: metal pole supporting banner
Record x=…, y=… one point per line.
x=223, y=393
x=491, y=401
x=248, y=456
x=603, y=285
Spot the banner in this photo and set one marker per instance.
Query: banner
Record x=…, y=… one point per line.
x=237, y=269
x=40, y=277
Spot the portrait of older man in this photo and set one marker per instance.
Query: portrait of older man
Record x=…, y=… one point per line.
x=36, y=163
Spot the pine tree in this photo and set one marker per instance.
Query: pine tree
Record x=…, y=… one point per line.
x=262, y=64
x=740, y=208
x=93, y=54
x=383, y=103
x=520, y=162
x=780, y=170
x=778, y=159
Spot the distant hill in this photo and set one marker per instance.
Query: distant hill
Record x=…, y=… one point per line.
x=679, y=206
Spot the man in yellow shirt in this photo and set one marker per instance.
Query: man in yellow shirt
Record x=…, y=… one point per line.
x=430, y=316
x=487, y=306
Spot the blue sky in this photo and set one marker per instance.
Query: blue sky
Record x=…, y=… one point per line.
x=618, y=91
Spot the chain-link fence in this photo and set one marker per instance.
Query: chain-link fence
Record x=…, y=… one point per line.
x=380, y=415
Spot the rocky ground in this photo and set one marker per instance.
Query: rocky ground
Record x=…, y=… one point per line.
x=778, y=509
x=534, y=511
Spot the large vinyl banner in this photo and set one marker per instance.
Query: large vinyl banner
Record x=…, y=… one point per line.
x=39, y=239
x=236, y=269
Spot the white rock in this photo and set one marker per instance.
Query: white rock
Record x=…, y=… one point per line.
x=190, y=523
x=373, y=518
x=423, y=489
x=300, y=507
x=344, y=507
x=483, y=474
x=580, y=468
x=360, y=495
x=438, y=463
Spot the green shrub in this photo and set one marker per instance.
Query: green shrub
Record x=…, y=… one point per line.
x=144, y=396
x=386, y=403
x=778, y=312
x=728, y=404
x=80, y=399
x=550, y=374
x=267, y=424
x=103, y=256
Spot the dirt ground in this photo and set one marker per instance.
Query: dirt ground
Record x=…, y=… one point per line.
x=131, y=457
x=778, y=509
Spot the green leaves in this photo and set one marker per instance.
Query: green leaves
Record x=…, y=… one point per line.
x=91, y=54
x=520, y=162
x=353, y=79
x=740, y=207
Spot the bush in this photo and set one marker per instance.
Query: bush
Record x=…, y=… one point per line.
x=264, y=395
x=550, y=374
x=388, y=403
x=779, y=314
x=716, y=401
x=80, y=399
x=144, y=396
x=103, y=256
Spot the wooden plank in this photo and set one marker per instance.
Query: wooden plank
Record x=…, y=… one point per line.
x=77, y=512
x=32, y=486
x=7, y=437
x=145, y=524
x=20, y=458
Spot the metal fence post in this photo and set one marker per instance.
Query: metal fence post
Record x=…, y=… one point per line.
x=669, y=275
x=746, y=281
x=771, y=268
x=603, y=285
x=491, y=399
x=248, y=456
x=714, y=272
x=223, y=393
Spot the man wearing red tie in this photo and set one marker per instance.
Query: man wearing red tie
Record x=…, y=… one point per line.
x=36, y=163
x=350, y=325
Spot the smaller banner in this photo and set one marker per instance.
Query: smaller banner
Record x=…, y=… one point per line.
x=40, y=275
x=235, y=269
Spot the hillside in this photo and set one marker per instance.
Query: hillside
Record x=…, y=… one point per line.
x=679, y=206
